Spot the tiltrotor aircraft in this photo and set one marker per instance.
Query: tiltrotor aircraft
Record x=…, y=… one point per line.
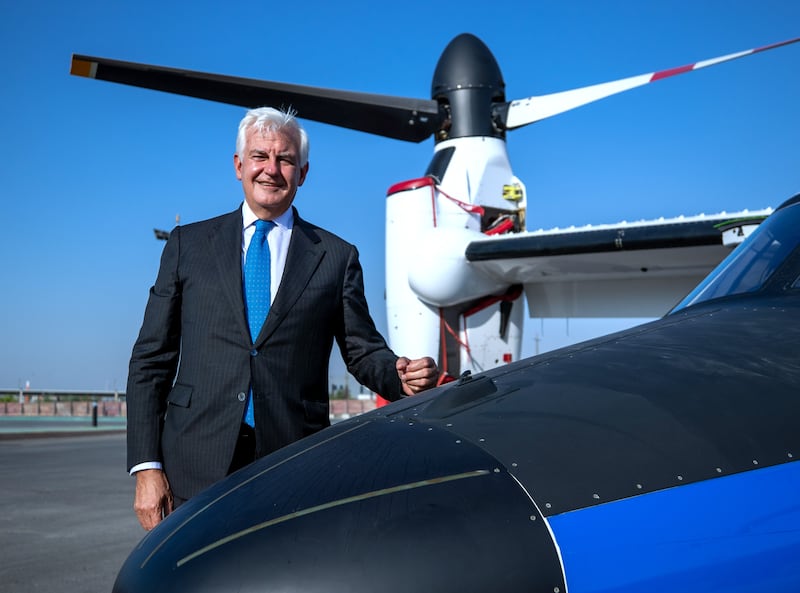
x=662, y=458
x=466, y=214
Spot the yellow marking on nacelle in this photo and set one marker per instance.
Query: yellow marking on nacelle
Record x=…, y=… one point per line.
x=512, y=192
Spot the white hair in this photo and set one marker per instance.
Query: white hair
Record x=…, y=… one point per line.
x=269, y=119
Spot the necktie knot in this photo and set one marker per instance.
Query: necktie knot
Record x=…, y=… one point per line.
x=263, y=226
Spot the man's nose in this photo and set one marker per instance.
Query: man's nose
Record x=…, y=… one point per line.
x=271, y=166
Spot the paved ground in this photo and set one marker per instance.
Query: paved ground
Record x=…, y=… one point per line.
x=15, y=427
x=67, y=523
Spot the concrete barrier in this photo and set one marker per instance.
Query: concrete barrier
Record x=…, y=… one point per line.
x=339, y=408
x=345, y=408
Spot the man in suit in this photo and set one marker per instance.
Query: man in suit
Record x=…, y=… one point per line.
x=201, y=362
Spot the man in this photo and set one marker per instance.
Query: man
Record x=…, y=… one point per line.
x=203, y=357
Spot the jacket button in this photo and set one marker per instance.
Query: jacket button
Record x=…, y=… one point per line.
x=242, y=396
x=254, y=352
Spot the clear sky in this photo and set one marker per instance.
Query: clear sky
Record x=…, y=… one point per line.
x=89, y=168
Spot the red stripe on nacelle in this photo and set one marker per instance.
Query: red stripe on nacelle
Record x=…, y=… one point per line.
x=411, y=184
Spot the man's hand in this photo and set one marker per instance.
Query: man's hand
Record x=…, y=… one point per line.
x=417, y=375
x=153, y=499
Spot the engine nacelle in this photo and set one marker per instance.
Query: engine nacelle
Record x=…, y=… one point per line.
x=447, y=278
x=437, y=303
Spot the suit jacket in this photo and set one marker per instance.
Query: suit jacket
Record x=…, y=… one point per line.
x=193, y=362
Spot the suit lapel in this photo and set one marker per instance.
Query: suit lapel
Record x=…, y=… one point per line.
x=302, y=260
x=225, y=240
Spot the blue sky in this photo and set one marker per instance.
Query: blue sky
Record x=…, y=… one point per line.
x=88, y=168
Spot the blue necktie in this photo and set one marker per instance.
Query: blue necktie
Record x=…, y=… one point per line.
x=256, y=290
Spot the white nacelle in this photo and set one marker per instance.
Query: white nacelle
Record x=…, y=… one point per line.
x=413, y=326
x=445, y=277
x=428, y=226
x=476, y=174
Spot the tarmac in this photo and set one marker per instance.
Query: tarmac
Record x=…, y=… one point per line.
x=67, y=523
x=17, y=427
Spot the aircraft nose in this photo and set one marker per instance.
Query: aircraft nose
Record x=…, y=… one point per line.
x=370, y=504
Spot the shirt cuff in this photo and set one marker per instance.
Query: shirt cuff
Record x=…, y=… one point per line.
x=146, y=465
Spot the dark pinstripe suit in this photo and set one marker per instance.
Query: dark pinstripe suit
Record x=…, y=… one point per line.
x=195, y=334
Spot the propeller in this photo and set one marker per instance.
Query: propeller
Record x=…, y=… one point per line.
x=467, y=94
x=527, y=111
x=401, y=118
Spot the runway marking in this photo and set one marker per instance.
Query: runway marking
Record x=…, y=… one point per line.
x=239, y=485
x=329, y=505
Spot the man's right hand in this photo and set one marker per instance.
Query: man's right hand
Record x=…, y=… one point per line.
x=153, y=499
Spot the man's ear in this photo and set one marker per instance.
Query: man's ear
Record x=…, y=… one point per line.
x=303, y=173
x=237, y=165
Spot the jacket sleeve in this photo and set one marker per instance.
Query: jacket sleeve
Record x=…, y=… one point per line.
x=363, y=348
x=154, y=360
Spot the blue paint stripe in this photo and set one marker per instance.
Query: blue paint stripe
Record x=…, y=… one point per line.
x=737, y=534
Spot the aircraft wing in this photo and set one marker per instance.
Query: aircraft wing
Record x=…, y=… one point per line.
x=639, y=269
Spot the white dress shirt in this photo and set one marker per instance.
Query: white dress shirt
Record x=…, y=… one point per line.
x=278, y=239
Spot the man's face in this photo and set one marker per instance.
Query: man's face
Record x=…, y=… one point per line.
x=269, y=172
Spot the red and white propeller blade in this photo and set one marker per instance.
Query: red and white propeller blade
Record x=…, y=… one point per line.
x=527, y=111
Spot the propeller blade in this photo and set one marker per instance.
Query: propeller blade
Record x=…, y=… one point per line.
x=527, y=111
x=401, y=118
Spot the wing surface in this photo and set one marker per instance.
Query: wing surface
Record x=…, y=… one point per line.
x=636, y=269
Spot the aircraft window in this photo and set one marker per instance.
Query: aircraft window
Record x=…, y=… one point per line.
x=751, y=264
x=438, y=165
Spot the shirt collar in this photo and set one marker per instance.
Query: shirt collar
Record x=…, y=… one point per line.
x=284, y=221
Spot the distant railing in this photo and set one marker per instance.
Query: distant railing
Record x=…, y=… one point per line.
x=342, y=409
x=62, y=402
